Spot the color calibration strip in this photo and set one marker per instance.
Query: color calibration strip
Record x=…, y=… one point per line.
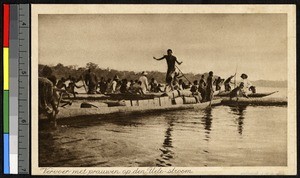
x=13, y=88
x=16, y=52
x=6, y=16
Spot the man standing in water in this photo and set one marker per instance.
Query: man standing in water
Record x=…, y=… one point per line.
x=171, y=66
x=209, y=86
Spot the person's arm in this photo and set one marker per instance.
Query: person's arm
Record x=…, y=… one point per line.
x=245, y=95
x=179, y=63
x=159, y=58
x=147, y=84
x=114, y=85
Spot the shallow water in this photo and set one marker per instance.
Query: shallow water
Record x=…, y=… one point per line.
x=219, y=136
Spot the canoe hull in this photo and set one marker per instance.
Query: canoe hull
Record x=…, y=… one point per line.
x=124, y=110
x=255, y=101
x=251, y=95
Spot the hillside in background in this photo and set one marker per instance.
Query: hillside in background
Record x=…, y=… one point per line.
x=268, y=83
x=65, y=71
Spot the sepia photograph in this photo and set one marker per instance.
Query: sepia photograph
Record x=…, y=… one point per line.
x=163, y=90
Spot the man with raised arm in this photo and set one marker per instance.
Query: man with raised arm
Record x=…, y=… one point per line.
x=171, y=65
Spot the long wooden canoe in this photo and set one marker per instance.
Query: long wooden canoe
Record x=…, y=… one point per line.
x=255, y=101
x=72, y=112
x=115, y=96
x=251, y=95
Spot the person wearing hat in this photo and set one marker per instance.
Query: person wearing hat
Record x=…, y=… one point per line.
x=246, y=82
x=171, y=65
x=144, y=82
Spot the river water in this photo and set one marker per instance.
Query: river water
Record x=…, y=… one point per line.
x=218, y=136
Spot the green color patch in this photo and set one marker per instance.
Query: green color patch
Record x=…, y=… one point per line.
x=6, y=111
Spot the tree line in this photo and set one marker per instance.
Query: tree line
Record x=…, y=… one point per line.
x=61, y=70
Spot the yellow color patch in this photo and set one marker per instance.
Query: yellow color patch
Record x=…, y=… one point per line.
x=6, y=68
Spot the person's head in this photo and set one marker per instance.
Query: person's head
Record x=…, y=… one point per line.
x=169, y=51
x=89, y=70
x=46, y=71
x=195, y=82
x=252, y=89
x=63, y=79
x=73, y=79
x=144, y=73
x=124, y=81
x=136, y=81
x=241, y=85
x=52, y=78
x=174, y=82
x=211, y=73
x=102, y=78
x=139, y=82
x=244, y=76
x=116, y=78
x=180, y=81
x=152, y=79
x=202, y=76
x=131, y=81
x=109, y=80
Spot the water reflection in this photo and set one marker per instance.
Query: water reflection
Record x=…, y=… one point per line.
x=167, y=153
x=240, y=112
x=206, y=121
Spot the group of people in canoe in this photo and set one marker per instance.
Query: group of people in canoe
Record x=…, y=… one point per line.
x=51, y=89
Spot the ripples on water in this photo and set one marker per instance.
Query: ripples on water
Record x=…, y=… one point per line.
x=219, y=136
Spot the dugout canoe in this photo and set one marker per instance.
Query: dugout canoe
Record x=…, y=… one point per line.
x=251, y=95
x=255, y=101
x=115, y=96
x=143, y=108
x=130, y=96
x=84, y=96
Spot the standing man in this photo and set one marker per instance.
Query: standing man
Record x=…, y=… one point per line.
x=91, y=81
x=144, y=82
x=202, y=87
x=209, y=86
x=171, y=66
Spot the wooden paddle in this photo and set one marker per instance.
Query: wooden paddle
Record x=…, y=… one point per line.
x=183, y=74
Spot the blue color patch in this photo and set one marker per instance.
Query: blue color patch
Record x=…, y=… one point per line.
x=6, y=153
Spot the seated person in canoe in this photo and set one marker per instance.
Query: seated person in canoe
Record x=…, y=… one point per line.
x=238, y=92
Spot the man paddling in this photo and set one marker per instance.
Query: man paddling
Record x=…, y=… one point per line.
x=228, y=82
x=171, y=66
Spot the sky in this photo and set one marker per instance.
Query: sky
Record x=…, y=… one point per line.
x=255, y=44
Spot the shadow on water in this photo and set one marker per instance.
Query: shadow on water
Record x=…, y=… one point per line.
x=240, y=112
x=51, y=153
x=167, y=153
x=206, y=121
